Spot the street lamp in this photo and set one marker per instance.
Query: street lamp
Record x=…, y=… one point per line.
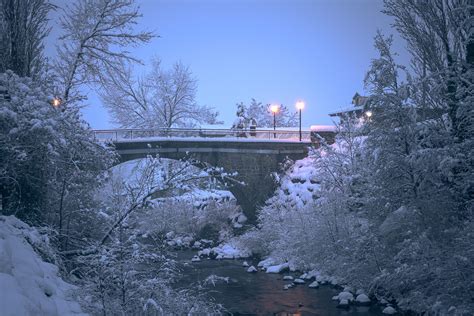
x=56, y=102
x=275, y=108
x=368, y=114
x=300, y=107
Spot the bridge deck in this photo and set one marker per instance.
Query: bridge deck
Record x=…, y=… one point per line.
x=211, y=135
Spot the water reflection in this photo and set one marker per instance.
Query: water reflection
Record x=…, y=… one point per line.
x=260, y=293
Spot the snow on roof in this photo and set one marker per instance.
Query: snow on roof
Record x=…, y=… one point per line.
x=345, y=110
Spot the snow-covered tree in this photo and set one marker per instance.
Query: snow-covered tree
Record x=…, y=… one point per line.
x=394, y=208
x=93, y=45
x=23, y=27
x=437, y=33
x=161, y=99
x=264, y=117
x=49, y=162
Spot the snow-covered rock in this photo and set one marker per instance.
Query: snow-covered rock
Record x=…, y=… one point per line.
x=312, y=274
x=362, y=299
x=205, y=252
x=389, y=310
x=343, y=304
x=225, y=251
x=322, y=279
x=288, y=286
x=303, y=276
x=314, y=284
x=299, y=281
x=288, y=278
x=28, y=285
x=266, y=263
x=333, y=281
x=245, y=264
x=196, y=259
x=278, y=268
x=346, y=296
x=252, y=269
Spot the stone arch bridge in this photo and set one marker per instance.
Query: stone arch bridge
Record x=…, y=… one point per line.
x=254, y=155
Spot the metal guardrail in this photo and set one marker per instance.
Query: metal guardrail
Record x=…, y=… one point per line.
x=124, y=134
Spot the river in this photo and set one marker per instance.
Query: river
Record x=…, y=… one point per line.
x=261, y=293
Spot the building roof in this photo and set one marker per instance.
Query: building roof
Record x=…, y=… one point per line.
x=346, y=111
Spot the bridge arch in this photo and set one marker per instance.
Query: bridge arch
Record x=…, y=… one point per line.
x=253, y=160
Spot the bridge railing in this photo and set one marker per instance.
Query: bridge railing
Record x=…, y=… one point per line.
x=128, y=134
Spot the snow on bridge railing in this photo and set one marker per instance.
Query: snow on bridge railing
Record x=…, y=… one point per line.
x=128, y=134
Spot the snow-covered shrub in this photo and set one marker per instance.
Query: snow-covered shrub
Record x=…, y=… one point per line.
x=189, y=206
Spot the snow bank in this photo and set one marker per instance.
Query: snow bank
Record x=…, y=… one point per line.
x=228, y=250
x=28, y=285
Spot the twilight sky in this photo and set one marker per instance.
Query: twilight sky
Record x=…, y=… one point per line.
x=276, y=51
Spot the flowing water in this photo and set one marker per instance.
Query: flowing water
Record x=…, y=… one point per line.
x=261, y=293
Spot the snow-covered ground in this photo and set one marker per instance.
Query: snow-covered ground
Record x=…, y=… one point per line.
x=29, y=285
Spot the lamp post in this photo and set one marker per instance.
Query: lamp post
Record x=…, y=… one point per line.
x=300, y=107
x=274, y=108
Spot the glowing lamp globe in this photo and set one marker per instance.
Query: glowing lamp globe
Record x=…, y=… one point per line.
x=300, y=105
x=274, y=108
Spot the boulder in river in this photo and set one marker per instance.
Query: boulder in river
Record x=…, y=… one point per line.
x=288, y=286
x=343, y=304
x=389, y=310
x=314, y=284
x=245, y=264
x=252, y=269
x=288, y=278
x=299, y=281
x=345, y=296
x=278, y=268
x=196, y=259
x=362, y=300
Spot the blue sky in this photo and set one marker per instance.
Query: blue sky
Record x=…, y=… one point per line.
x=271, y=50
